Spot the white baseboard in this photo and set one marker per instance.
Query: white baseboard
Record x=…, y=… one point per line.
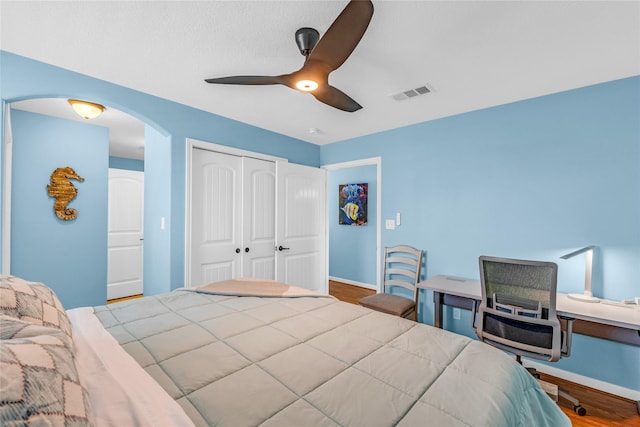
x=353, y=282
x=586, y=381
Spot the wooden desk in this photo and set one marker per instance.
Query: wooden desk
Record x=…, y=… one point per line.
x=601, y=320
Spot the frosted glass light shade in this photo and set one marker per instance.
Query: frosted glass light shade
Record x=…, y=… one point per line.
x=85, y=109
x=307, y=85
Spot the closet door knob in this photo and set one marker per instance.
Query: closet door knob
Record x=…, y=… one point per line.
x=237, y=250
x=246, y=249
x=282, y=248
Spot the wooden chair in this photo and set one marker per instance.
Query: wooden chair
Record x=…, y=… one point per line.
x=402, y=266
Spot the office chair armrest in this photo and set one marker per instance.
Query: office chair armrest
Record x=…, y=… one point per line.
x=566, y=339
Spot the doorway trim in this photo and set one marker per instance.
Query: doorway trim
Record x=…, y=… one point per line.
x=6, y=191
x=371, y=161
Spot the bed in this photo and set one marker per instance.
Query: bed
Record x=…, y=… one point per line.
x=251, y=353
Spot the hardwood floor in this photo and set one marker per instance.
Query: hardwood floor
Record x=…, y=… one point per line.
x=348, y=293
x=112, y=301
x=603, y=409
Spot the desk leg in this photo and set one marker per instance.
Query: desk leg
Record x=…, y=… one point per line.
x=438, y=302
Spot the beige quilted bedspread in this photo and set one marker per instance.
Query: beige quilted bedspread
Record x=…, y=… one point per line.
x=315, y=361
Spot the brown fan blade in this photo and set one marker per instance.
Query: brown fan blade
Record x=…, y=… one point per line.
x=336, y=98
x=247, y=80
x=344, y=34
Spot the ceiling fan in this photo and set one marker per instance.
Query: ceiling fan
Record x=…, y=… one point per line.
x=322, y=56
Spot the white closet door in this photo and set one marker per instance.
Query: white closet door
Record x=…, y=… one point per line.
x=259, y=212
x=301, y=232
x=216, y=217
x=243, y=209
x=125, y=239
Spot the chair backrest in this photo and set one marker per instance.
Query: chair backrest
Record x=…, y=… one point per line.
x=402, y=266
x=518, y=308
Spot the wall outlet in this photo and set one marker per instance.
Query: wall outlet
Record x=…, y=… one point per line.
x=456, y=314
x=390, y=224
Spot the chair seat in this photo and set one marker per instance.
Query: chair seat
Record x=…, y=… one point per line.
x=390, y=304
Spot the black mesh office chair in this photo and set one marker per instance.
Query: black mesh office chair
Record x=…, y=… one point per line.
x=518, y=312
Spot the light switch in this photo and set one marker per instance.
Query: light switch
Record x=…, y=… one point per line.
x=398, y=218
x=162, y=223
x=390, y=224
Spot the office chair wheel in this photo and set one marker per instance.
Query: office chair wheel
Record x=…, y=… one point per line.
x=580, y=410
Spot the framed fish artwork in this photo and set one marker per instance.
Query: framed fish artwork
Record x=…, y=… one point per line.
x=352, y=204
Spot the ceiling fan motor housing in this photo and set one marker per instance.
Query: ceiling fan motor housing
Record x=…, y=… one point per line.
x=306, y=39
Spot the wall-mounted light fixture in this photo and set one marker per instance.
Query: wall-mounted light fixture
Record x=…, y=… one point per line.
x=86, y=109
x=587, y=296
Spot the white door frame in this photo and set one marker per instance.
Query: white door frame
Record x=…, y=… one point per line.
x=377, y=161
x=191, y=144
x=6, y=191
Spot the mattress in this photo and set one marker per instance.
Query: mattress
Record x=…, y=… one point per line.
x=226, y=358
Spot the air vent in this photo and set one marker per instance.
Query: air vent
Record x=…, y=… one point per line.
x=412, y=93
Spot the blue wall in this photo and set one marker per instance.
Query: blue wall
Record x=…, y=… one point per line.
x=352, y=250
x=533, y=179
x=127, y=164
x=69, y=256
x=157, y=242
x=23, y=78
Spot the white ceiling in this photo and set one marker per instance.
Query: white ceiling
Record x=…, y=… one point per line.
x=473, y=54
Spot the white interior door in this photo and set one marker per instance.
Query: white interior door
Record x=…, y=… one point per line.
x=301, y=231
x=259, y=212
x=216, y=217
x=126, y=233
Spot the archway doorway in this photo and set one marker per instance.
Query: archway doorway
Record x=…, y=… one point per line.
x=122, y=148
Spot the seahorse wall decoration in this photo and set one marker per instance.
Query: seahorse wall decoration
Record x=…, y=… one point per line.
x=63, y=190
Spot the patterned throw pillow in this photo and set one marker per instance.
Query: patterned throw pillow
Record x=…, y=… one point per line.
x=33, y=302
x=39, y=383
